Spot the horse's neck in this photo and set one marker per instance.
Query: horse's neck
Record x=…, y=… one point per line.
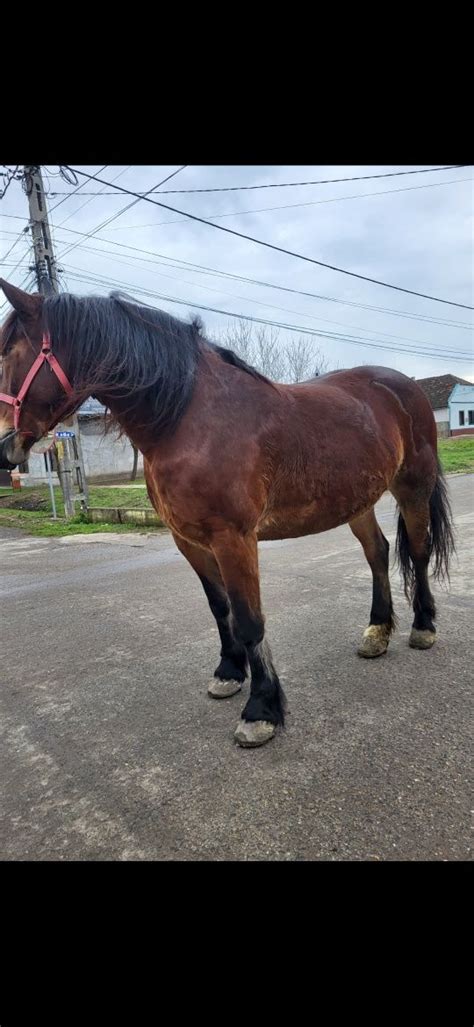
x=218, y=387
x=118, y=409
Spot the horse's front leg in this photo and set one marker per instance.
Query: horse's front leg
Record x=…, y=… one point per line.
x=237, y=558
x=232, y=669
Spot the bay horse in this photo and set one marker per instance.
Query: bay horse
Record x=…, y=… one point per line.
x=231, y=458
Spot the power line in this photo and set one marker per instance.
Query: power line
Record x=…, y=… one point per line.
x=12, y=247
x=292, y=206
x=203, y=269
x=27, y=280
x=9, y=177
x=76, y=211
x=278, y=249
x=335, y=336
x=22, y=258
x=286, y=185
x=122, y=210
x=61, y=223
x=340, y=337
x=76, y=190
x=246, y=299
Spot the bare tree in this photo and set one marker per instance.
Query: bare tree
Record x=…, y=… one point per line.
x=270, y=357
x=238, y=338
x=320, y=363
x=261, y=348
x=299, y=359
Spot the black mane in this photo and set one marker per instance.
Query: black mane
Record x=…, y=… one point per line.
x=134, y=353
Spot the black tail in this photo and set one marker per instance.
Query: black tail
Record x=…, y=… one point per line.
x=441, y=544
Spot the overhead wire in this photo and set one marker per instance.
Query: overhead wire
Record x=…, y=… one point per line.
x=320, y=181
x=293, y=206
x=337, y=336
x=246, y=299
x=199, y=268
x=119, y=212
x=279, y=249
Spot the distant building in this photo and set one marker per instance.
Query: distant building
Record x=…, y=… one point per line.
x=461, y=410
x=105, y=454
x=438, y=390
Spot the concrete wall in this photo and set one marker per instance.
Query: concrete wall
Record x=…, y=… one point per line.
x=106, y=454
x=103, y=455
x=37, y=473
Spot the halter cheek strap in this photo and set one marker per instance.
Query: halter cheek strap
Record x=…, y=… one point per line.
x=46, y=356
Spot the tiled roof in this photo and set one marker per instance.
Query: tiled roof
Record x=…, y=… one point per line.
x=438, y=388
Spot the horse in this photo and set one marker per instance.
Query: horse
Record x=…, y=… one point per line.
x=232, y=458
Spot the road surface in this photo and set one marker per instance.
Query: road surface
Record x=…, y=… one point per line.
x=111, y=749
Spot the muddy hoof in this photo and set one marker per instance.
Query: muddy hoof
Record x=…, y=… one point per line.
x=223, y=689
x=421, y=639
x=250, y=733
x=374, y=641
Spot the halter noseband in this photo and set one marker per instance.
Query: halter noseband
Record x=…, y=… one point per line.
x=46, y=356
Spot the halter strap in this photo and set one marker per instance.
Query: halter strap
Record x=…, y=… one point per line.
x=46, y=356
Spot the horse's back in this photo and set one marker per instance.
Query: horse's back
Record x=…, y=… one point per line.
x=386, y=393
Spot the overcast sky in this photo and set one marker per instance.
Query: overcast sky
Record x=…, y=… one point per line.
x=418, y=238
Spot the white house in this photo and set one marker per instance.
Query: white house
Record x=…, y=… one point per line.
x=461, y=410
x=438, y=389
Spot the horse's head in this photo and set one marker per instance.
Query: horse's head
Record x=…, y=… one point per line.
x=32, y=394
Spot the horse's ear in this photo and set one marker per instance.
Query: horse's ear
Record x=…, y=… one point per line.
x=26, y=305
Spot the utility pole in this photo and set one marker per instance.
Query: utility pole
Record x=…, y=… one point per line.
x=68, y=450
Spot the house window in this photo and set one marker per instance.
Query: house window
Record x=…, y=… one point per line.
x=461, y=417
x=23, y=468
x=470, y=415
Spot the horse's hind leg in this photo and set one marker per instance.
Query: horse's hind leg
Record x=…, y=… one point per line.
x=232, y=669
x=414, y=554
x=382, y=621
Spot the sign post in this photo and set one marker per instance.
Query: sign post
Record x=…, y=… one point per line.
x=43, y=447
x=50, y=482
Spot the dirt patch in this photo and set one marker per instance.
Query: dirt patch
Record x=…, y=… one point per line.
x=31, y=501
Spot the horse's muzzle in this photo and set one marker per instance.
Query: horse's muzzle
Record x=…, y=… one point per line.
x=9, y=455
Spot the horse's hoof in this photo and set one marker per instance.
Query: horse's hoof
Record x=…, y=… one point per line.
x=223, y=689
x=250, y=733
x=374, y=641
x=421, y=639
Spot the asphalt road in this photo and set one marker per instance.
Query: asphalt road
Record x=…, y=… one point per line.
x=111, y=749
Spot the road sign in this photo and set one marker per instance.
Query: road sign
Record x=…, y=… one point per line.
x=65, y=434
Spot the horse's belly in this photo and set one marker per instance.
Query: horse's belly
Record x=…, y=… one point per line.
x=292, y=521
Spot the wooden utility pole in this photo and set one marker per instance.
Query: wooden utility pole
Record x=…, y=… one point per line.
x=69, y=452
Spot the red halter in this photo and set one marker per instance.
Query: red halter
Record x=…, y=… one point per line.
x=46, y=356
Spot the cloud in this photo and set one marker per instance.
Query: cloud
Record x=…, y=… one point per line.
x=419, y=238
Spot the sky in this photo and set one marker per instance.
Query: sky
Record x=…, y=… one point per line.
x=414, y=231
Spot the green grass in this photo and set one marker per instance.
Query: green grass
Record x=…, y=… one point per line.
x=132, y=498
x=457, y=455
x=42, y=524
x=39, y=521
